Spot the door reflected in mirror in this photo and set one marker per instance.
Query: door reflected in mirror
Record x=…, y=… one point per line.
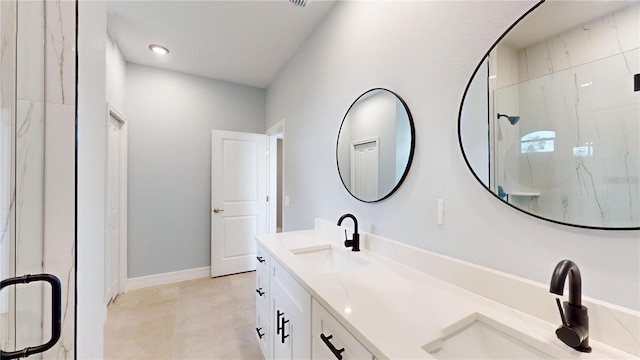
x=550, y=122
x=375, y=145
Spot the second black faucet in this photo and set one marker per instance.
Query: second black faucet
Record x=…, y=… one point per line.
x=354, y=243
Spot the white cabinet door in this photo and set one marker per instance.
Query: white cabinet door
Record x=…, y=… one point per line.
x=291, y=334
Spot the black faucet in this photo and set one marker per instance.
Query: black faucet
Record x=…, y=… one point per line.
x=354, y=243
x=574, y=330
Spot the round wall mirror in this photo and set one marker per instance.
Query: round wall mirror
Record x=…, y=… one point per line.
x=549, y=122
x=375, y=145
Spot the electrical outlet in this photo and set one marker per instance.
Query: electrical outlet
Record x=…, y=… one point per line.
x=286, y=201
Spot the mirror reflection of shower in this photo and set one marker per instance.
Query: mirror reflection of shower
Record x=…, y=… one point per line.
x=574, y=157
x=512, y=119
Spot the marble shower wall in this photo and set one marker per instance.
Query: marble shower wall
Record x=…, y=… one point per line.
x=7, y=165
x=59, y=164
x=29, y=158
x=38, y=113
x=578, y=84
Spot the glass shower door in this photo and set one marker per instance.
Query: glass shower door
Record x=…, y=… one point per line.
x=22, y=107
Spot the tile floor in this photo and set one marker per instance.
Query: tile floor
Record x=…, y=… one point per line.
x=209, y=318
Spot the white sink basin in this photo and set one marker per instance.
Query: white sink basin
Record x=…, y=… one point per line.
x=326, y=259
x=478, y=337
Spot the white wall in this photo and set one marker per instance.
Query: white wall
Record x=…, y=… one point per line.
x=426, y=52
x=91, y=135
x=170, y=117
x=116, y=76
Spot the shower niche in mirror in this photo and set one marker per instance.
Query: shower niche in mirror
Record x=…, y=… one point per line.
x=550, y=121
x=375, y=145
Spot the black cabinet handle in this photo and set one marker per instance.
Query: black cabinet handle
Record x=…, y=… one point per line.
x=283, y=335
x=260, y=259
x=258, y=331
x=280, y=326
x=336, y=352
x=56, y=314
x=278, y=315
x=260, y=292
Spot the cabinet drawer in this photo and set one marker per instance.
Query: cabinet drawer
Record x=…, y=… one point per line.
x=335, y=335
x=262, y=291
x=263, y=260
x=262, y=328
x=299, y=297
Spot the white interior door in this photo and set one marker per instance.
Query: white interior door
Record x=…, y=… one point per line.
x=112, y=244
x=238, y=199
x=364, y=169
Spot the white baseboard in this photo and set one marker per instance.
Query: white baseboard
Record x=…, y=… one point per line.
x=167, y=278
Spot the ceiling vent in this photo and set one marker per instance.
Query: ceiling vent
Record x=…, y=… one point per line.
x=300, y=3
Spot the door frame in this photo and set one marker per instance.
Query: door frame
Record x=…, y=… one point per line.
x=122, y=269
x=275, y=132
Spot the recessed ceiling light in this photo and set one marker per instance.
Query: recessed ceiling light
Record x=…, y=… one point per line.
x=158, y=49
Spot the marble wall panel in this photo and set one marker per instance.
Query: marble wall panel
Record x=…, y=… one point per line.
x=609, y=35
x=7, y=165
x=60, y=52
x=59, y=187
x=30, y=46
x=29, y=218
x=59, y=211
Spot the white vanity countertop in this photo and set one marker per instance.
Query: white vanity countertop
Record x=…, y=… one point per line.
x=394, y=310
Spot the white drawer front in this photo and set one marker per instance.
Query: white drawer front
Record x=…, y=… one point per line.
x=263, y=260
x=262, y=328
x=336, y=336
x=262, y=291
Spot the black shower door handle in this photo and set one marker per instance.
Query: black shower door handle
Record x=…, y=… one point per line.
x=56, y=313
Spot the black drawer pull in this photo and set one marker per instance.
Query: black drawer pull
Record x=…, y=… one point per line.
x=260, y=292
x=283, y=335
x=258, y=331
x=260, y=259
x=336, y=352
x=278, y=328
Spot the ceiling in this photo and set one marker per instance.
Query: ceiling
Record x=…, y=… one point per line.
x=555, y=17
x=244, y=42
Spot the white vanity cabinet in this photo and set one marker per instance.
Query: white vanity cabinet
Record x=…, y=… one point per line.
x=283, y=311
x=330, y=340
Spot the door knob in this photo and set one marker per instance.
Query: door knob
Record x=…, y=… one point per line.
x=216, y=210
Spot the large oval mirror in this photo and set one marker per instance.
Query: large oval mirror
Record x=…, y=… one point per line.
x=550, y=121
x=375, y=145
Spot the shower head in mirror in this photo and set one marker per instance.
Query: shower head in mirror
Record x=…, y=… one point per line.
x=512, y=119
